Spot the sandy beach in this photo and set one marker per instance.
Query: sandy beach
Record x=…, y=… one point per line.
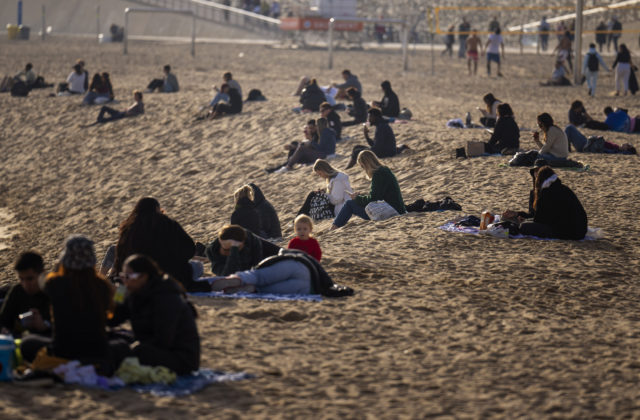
x=442, y=325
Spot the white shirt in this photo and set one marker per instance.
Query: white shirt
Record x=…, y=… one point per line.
x=338, y=191
x=495, y=41
x=76, y=82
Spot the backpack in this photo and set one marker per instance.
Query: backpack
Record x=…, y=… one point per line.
x=593, y=62
x=595, y=144
x=19, y=88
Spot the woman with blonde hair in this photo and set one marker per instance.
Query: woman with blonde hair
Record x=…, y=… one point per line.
x=327, y=203
x=384, y=187
x=245, y=213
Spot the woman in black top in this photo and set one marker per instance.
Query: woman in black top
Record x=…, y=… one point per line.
x=245, y=213
x=506, y=134
x=162, y=319
x=358, y=110
x=622, y=64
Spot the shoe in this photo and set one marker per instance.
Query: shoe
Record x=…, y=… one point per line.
x=148, y=91
x=351, y=164
x=281, y=170
x=461, y=153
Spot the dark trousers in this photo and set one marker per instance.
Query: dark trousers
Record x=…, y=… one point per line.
x=155, y=84
x=151, y=355
x=350, y=123
x=597, y=125
x=536, y=229
x=114, y=114
x=306, y=207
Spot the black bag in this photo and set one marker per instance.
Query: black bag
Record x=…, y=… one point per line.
x=595, y=144
x=19, y=88
x=593, y=64
x=524, y=158
x=320, y=207
x=255, y=95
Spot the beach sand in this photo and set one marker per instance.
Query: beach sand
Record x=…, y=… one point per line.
x=442, y=325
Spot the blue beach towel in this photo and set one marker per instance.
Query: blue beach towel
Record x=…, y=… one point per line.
x=189, y=384
x=263, y=296
x=592, y=233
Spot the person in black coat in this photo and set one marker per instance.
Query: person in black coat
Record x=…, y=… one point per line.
x=389, y=104
x=245, y=213
x=162, y=319
x=269, y=222
x=506, y=134
x=236, y=249
x=150, y=232
x=556, y=210
x=327, y=111
x=358, y=110
x=233, y=107
x=312, y=96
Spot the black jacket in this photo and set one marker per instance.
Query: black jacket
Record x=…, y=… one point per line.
x=167, y=244
x=384, y=141
x=311, y=98
x=390, y=104
x=235, y=101
x=335, y=123
x=246, y=215
x=269, y=222
x=359, y=110
x=559, y=208
x=255, y=249
x=506, y=135
x=18, y=302
x=163, y=321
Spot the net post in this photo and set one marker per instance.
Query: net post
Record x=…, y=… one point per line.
x=405, y=36
x=125, y=38
x=578, y=38
x=330, y=46
x=44, y=27
x=193, y=35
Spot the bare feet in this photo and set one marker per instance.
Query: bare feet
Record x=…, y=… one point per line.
x=222, y=283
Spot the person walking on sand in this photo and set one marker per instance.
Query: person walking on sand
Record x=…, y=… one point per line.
x=590, y=67
x=474, y=48
x=463, y=34
x=622, y=64
x=494, y=45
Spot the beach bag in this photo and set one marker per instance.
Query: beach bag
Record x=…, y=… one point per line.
x=255, y=95
x=380, y=210
x=19, y=88
x=475, y=148
x=593, y=63
x=405, y=114
x=320, y=207
x=595, y=144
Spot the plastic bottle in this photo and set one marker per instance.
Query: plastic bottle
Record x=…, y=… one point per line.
x=467, y=120
x=486, y=219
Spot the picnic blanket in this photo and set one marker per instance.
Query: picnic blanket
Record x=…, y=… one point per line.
x=188, y=384
x=592, y=233
x=263, y=296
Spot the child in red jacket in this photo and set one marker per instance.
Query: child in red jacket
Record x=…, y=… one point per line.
x=303, y=226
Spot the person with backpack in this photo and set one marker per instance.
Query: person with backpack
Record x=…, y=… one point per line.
x=590, y=67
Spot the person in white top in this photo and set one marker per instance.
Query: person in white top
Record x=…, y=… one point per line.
x=76, y=80
x=338, y=191
x=494, y=46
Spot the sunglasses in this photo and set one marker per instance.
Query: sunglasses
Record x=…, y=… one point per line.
x=129, y=276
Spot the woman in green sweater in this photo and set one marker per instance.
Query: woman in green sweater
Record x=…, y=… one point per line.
x=384, y=186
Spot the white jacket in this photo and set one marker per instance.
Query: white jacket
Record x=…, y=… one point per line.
x=338, y=191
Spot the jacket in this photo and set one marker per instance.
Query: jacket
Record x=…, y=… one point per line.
x=246, y=215
x=327, y=142
x=311, y=98
x=338, y=191
x=170, y=83
x=255, y=249
x=560, y=208
x=335, y=123
x=384, y=186
x=235, y=101
x=351, y=81
x=384, y=141
x=506, y=134
x=556, y=143
x=269, y=222
x=390, y=105
x=359, y=110
x=162, y=319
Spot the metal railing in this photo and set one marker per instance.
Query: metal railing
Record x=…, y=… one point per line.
x=219, y=13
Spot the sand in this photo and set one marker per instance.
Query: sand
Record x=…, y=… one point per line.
x=442, y=325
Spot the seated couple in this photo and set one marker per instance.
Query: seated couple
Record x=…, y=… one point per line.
x=554, y=209
x=255, y=213
x=505, y=138
x=383, y=143
x=26, y=76
x=320, y=143
x=252, y=265
x=228, y=101
x=100, y=90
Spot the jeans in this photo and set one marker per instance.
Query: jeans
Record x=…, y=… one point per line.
x=592, y=79
x=462, y=51
x=91, y=97
x=305, y=153
x=349, y=209
x=575, y=137
x=287, y=277
x=219, y=97
x=113, y=114
x=623, y=71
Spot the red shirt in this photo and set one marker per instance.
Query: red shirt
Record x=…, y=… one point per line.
x=310, y=246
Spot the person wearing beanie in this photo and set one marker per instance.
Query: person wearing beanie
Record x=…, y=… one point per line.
x=389, y=104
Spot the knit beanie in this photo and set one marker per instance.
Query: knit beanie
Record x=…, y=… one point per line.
x=78, y=253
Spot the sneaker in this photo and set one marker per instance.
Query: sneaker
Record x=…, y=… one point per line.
x=281, y=170
x=500, y=75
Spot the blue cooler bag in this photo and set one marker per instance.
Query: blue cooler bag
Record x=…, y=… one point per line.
x=7, y=348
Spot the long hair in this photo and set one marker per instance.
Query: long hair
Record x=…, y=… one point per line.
x=242, y=192
x=324, y=166
x=504, y=110
x=542, y=175
x=139, y=263
x=546, y=120
x=369, y=162
x=489, y=99
x=136, y=230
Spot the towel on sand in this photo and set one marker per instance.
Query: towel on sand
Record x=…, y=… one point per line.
x=263, y=296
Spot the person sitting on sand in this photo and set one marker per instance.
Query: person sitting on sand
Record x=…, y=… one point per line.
x=80, y=299
x=312, y=97
x=237, y=249
x=148, y=231
x=135, y=109
x=558, y=77
x=100, y=90
x=619, y=120
x=581, y=143
x=269, y=222
x=555, y=209
x=384, y=186
x=327, y=111
x=556, y=145
x=234, y=106
x=303, y=241
x=384, y=140
x=358, y=110
x=336, y=192
x=220, y=96
x=564, y=49
x=168, y=84
x=389, y=104
x=24, y=297
x=162, y=319
x=244, y=211
x=310, y=134
x=76, y=83
x=489, y=115
x=506, y=134
x=308, y=152
x=350, y=80
x=579, y=117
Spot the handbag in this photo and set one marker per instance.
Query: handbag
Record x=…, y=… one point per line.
x=475, y=148
x=380, y=210
x=320, y=207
